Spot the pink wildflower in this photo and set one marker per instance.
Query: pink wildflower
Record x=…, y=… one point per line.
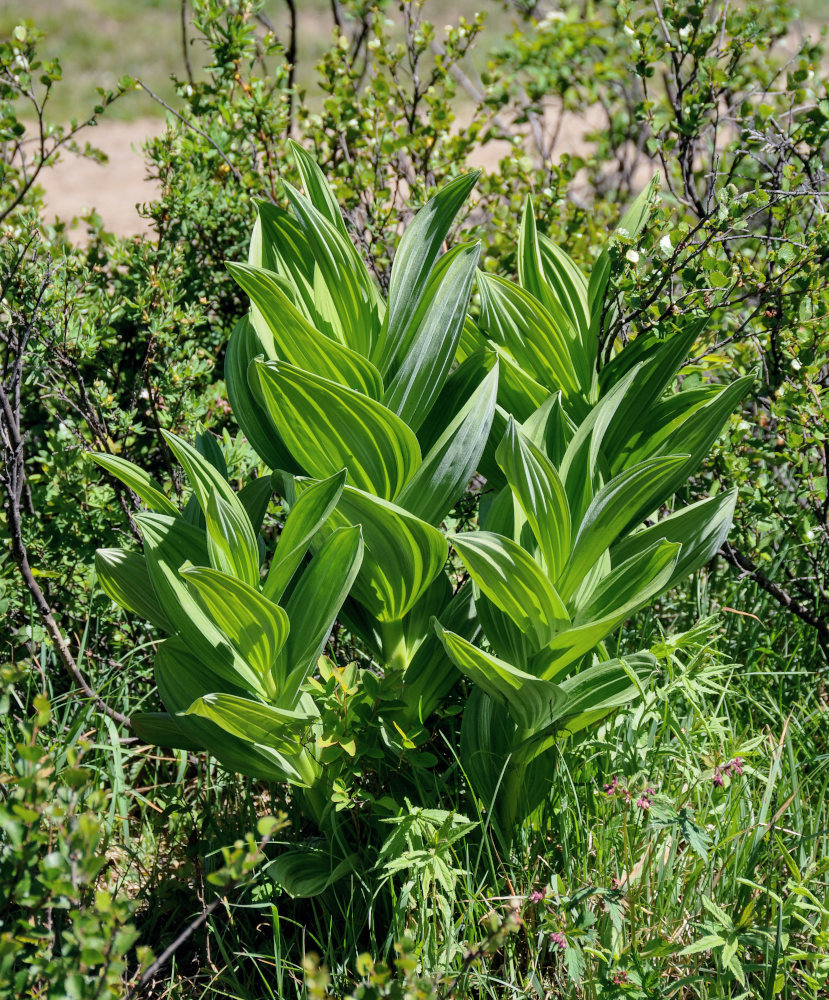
x=559, y=940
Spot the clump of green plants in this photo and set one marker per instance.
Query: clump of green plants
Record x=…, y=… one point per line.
x=373, y=435
x=66, y=928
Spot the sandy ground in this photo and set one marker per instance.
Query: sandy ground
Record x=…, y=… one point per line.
x=114, y=189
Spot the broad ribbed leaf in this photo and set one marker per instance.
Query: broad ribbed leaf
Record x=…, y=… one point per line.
x=161, y=729
x=519, y=322
x=453, y=459
x=514, y=582
x=582, y=468
x=413, y=263
x=307, y=516
x=231, y=542
x=606, y=685
x=306, y=873
x=316, y=187
x=279, y=244
x=624, y=500
x=353, y=295
x=701, y=529
x=655, y=375
x=431, y=674
x=629, y=587
x=424, y=368
x=169, y=543
x=328, y=426
x=694, y=431
x=533, y=261
x=297, y=341
x=456, y=391
x=314, y=604
x=138, y=481
x=506, y=639
x=182, y=678
x=531, y=702
x=628, y=581
x=255, y=626
x=567, y=283
x=209, y=482
x=124, y=578
x=402, y=553
x=255, y=497
x=248, y=411
x=535, y=484
x=550, y=429
x=591, y=695
x=253, y=721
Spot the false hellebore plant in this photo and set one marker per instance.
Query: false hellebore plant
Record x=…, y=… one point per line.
x=374, y=416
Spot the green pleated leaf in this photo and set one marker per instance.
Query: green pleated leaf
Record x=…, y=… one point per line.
x=630, y=582
x=700, y=528
x=169, y=543
x=590, y=696
x=403, y=554
x=328, y=426
x=138, y=481
x=316, y=187
x=550, y=429
x=694, y=431
x=231, y=527
x=314, y=604
x=514, y=582
x=567, y=283
x=453, y=459
x=626, y=499
x=254, y=722
x=626, y=589
x=506, y=639
x=307, y=516
x=346, y=280
x=255, y=626
x=297, y=341
x=534, y=263
x=304, y=873
x=255, y=497
x=425, y=366
x=431, y=675
x=538, y=489
x=457, y=389
x=607, y=685
x=656, y=372
x=519, y=322
x=124, y=578
x=161, y=729
x=183, y=678
x=279, y=244
x=583, y=468
x=231, y=542
x=529, y=700
x=412, y=266
x=248, y=411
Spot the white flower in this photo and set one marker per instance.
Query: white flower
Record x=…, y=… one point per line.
x=665, y=245
x=632, y=256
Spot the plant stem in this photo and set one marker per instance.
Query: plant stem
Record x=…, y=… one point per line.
x=395, y=651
